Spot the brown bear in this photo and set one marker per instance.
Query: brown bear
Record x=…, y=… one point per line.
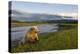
x=32, y=34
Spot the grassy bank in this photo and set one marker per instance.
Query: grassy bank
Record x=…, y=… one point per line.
x=63, y=39
x=18, y=24
x=64, y=26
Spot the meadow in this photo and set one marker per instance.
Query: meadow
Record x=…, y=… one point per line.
x=18, y=24
x=65, y=38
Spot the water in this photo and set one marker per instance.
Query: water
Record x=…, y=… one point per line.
x=18, y=32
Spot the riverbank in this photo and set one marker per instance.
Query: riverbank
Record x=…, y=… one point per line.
x=20, y=24
x=63, y=39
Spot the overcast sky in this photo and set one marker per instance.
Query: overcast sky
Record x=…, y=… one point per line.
x=45, y=8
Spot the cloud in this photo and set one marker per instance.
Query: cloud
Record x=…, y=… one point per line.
x=75, y=15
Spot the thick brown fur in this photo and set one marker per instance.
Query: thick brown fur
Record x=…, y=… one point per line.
x=32, y=35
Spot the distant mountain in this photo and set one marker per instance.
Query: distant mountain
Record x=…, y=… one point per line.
x=25, y=16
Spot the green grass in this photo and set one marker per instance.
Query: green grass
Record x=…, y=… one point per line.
x=18, y=24
x=63, y=39
x=64, y=26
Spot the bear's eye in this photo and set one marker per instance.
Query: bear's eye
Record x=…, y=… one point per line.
x=35, y=31
x=32, y=29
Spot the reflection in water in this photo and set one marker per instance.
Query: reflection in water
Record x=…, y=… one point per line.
x=18, y=32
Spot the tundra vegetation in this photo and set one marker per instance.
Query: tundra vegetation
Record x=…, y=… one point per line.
x=65, y=38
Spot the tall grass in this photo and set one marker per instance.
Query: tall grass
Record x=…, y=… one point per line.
x=63, y=39
x=18, y=24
